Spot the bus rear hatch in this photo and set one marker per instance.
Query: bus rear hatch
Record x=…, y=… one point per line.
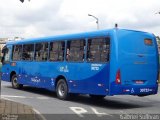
x=137, y=60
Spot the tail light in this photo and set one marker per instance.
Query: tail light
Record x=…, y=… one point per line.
x=118, y=77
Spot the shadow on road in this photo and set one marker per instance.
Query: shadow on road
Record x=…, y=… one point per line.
x=109, y=103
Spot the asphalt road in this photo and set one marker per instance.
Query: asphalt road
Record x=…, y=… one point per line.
x=112, y=107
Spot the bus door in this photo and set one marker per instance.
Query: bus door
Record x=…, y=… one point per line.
x=6, y=63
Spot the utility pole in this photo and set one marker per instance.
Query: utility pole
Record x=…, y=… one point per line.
x=23, y=1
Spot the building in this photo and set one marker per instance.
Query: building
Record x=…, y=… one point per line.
x=4, y=40
x=2, y=43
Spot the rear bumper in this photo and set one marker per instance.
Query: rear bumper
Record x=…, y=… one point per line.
x=133, y=89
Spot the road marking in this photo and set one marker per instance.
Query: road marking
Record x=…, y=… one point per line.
x=38, y=113
x=122, y=112
x=23, y=97
x=98, y=113
x=78, y=111
x=13, y=96
x=81, y=111
x=6, y=98
x=42, y=98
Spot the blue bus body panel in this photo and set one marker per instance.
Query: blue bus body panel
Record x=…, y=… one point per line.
x=94, y=34
x=81, y=78
x=128, y=53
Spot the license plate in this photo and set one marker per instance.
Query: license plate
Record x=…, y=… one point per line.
x=139, y=82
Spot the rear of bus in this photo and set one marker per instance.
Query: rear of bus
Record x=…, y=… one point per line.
x=135, y=66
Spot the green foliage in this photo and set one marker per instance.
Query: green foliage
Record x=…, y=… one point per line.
x=158, y=39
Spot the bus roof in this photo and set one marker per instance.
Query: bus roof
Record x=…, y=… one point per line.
x=83, y=35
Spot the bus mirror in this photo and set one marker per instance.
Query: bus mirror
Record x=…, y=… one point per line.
x=2, y=60
x=3, y=50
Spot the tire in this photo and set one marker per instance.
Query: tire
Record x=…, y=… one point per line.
x=96, y=97
x=15, y=84
x=62, y=90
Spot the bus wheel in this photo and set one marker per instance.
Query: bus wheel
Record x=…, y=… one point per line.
x=15, y=84
x=62, y=90
x=97, y=96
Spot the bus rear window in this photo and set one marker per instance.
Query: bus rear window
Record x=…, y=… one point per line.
x=148, y=42
x=98, y=50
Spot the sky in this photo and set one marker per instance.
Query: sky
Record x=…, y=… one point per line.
x=39, y=18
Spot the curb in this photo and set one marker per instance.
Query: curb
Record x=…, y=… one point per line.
x=34, y=115
x=38, y=113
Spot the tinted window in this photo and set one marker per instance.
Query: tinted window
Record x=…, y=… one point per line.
x=41, y=52
x=57, y=51
x=148, y=42
x=75, y=50
x=17, y=52
x=28, y=52
x=98, y=50
x=6, y=55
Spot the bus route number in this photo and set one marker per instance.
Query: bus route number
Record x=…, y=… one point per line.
x=95, y=67
x=142, y=90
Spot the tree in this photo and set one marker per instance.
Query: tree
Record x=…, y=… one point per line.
x=158, y=39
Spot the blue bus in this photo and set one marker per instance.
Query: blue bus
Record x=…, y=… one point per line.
x=99, y=63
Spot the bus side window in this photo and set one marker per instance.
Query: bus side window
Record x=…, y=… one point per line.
x=28, y=52
x=93, y=50
x=17, y=52
x=75, y=50
x=98, y=50
x=57, y=51
x=41, y=52
x=68, y=51
x=105, y=53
